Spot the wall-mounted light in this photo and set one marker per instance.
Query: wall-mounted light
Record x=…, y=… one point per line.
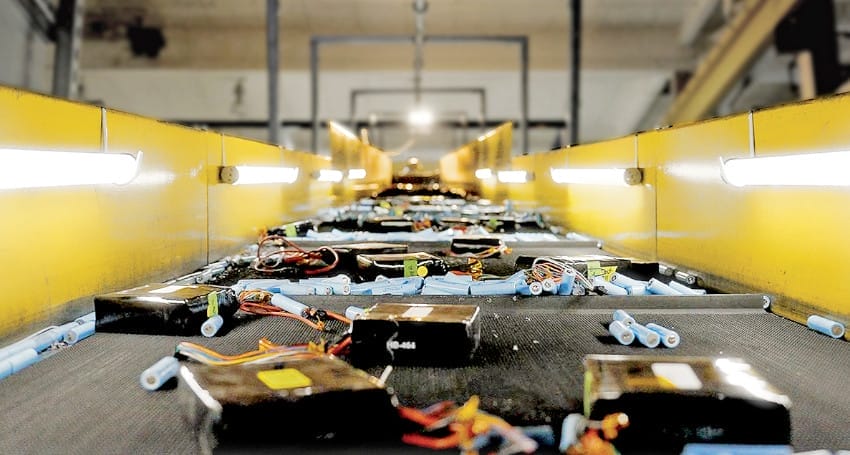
x=420, y=118
x=514, y=176
x=356, y=174
x=623, y=177
x=813, y=169
x=43, y=168
x=484, y=174
x=251, y=175
x=328, y=175
x=342, y=130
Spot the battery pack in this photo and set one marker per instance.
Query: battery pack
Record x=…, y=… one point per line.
x=388, y=224
x=400, y=265
x=673, y=401
x=284, y=402
x=163, y=309
x=579, y=262
x=415, y=334
x=477, y=245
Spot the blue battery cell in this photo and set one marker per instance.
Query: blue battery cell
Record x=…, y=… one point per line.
x=825, y=326
x=568, y=280
x=392, y=288
x=211, y=326
x=533, y=288
x=292, y=289
x=669, y=338
x=622, y=316
x=646, y=337
x=625, y=281
x=456, y=278
x=361, y=288
x=353, y=312
x=436, y=287
x=659, y=288
x=637, y=289
x=738, y=449
x=79, y=333
x=17, y=362
x=686, y=290
x=86, y=318
x=549, y=286
x=287, y=304
x=607, y=287
x=621, y=332
x=159, y=373
x=493, y=287
x=573, y=426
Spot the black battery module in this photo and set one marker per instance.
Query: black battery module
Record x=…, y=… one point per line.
x=415, y=334
x=400, y=265
x=163, y=309
x=477, y=245
x=285, y=402
x=672, y=401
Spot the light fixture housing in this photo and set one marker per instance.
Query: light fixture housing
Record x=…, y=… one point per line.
x=514, y=176
x=329, y=175
x=20, y=168
x=253, y=175
x=356, y=174
x=614, y=176
x=484, y=173
x=812, y=169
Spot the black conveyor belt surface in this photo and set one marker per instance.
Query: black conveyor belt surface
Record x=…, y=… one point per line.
x=87, y=399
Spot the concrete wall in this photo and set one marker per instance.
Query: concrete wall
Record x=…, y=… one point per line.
x=27, y=58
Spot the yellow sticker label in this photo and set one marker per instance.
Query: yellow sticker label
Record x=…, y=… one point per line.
x=594, y=269
x=212, y=304
x=290, y=230
x=609, y=272
x=410, y=267
x=422, y=271
x=385, y=204
x=285, y=378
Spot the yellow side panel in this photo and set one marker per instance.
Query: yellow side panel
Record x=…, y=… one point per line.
x=541, y=193
x=239, y=213
x=798, y=236
x=457, y=169
x=62, y=244
x=623, y=217
x=349, y=152
x=703, y=223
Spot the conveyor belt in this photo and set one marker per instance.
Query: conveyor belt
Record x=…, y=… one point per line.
x=86, y=398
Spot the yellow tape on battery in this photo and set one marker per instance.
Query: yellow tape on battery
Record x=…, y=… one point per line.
x=285, y=378
x=212, y=304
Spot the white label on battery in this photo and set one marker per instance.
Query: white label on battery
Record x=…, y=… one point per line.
x=681, y=375
x=417, y=312
x=167, y=289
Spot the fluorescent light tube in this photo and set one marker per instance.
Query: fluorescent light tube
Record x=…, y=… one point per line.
x=43, y=168
x=420, y=117
x=813, y=169
x=512, y=176
x=484, y=174
x=329, y=175
x=252, y=175
x=356, y=174
x=623, y=177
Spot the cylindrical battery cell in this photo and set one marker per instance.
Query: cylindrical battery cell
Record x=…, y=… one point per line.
x=565, y=287
x=353, y=312
x=284, y=302
x=622, y=316
x=533, y=288
x=625, y=281
x=669, y=338
x=622, y=333
x=825, y=326
x=686, y=290
x=211, y=326
x=493, y=287
x=80, y=332
x=646, y=337
x=659, y=288
x=159, y=373
x=17, y=362
x=607, y=287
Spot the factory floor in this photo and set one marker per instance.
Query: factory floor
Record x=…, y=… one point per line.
x=528, y=369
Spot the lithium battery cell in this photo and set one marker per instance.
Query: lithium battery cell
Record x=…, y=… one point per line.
x=686, y=290
x=565, y=287
x=211, y=326
x=637, y=289
x=533, y=288
x=353, y=312
x=79, y=333
x=659, y=288
x=625, y=281
x=622, y=316
x=622, y=333
x=646, y=337
x=445, y=288
x=669, y=338
x=607, y=287
x=825, y=326
x=159, y=373
x=17, y=362
x=493, y=287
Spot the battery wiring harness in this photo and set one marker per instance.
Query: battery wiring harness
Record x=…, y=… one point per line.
x=259, y=302
x=547, y=267
x=276, y=253
x=266, y=352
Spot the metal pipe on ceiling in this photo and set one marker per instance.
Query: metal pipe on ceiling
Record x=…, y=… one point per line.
x=575, y=70
x=272, y=57
x=419, y=9
x=66, y=59
x=317, y=41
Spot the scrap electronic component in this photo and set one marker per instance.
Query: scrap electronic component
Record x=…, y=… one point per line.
x=301, y=398
x=673, y=401
x=415, y=334
x=579, y=262
x=491, y=247
x=163, y=308
x=400, y=265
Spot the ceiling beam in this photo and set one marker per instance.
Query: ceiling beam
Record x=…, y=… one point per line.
x=744, y=38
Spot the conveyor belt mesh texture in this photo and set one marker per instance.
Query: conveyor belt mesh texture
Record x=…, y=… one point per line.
x=87, y=399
